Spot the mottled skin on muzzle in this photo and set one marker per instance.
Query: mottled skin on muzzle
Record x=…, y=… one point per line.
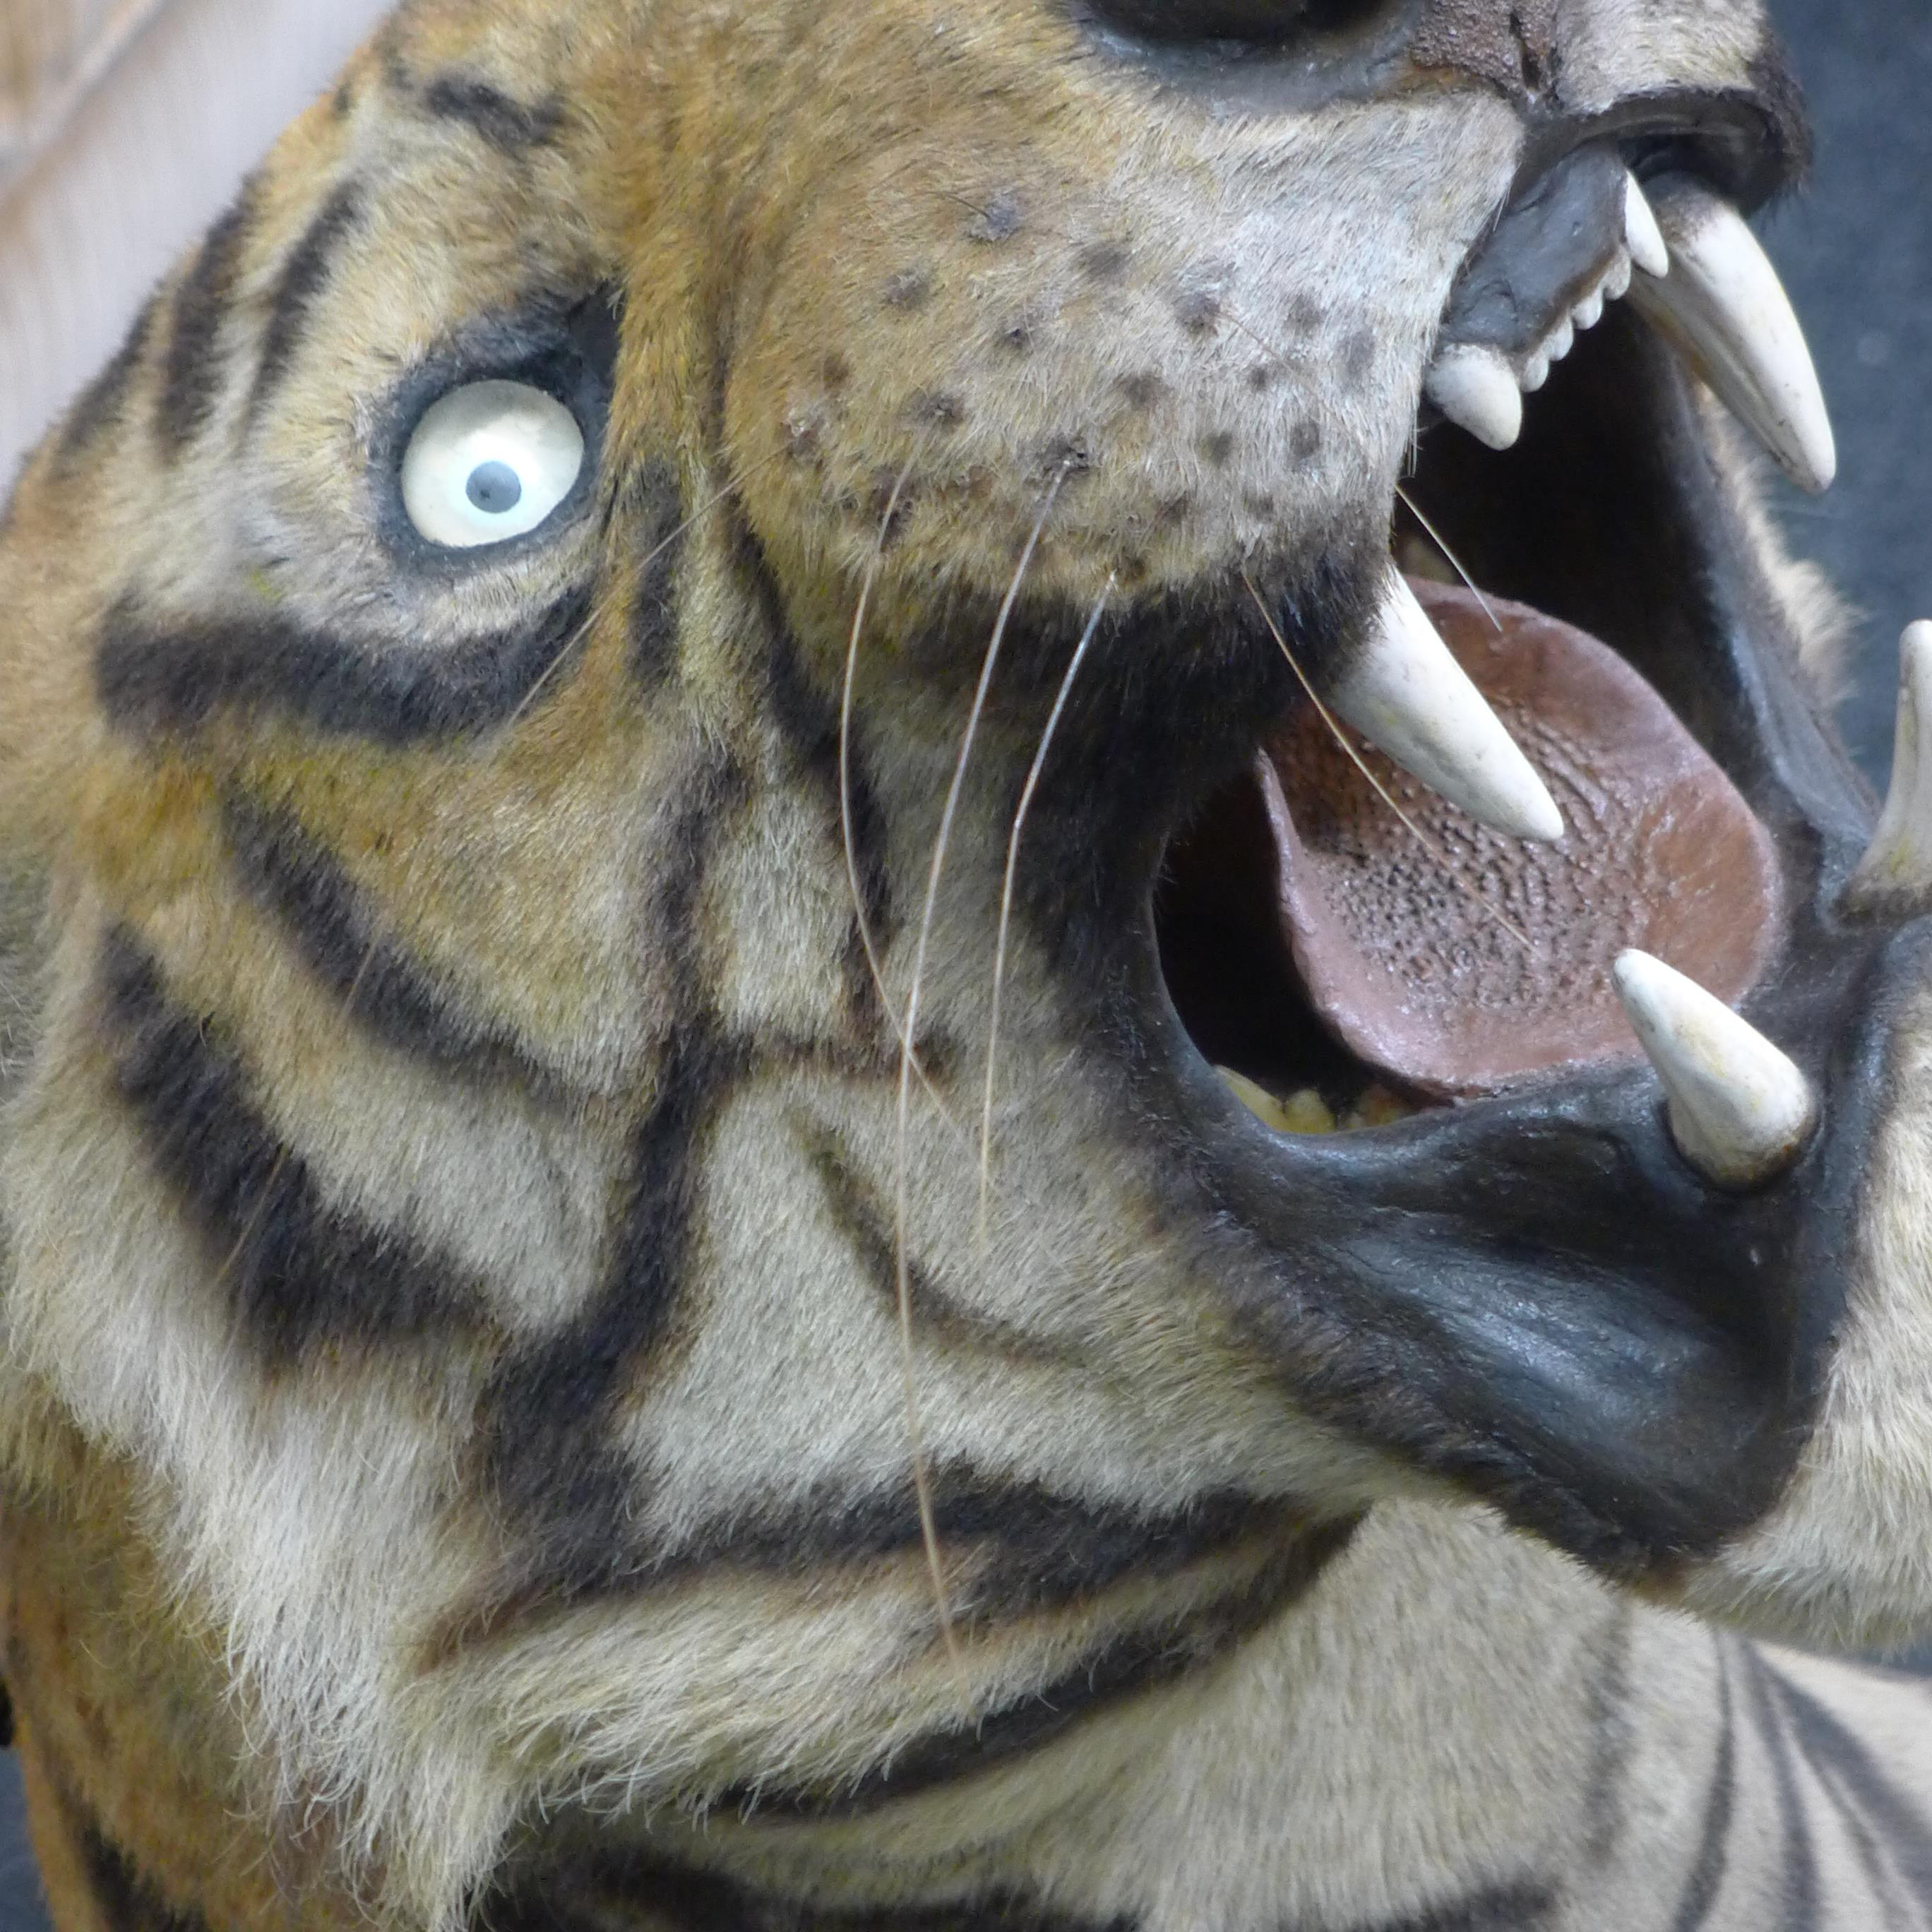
x=518, y=1401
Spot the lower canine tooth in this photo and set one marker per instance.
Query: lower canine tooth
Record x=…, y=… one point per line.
x=1741, y=1112
x=1404, y=692
x=1476, y=389
x=1723, y=307
x=1898, y=867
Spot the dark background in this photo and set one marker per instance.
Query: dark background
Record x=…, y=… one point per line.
x=1856, y=251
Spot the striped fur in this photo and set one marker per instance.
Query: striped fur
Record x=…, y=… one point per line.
x=460, y=1462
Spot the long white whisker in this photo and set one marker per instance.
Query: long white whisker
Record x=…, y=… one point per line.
x=1025, y=806
x=922, y=1474
x=867, y=940
x=1455, y=563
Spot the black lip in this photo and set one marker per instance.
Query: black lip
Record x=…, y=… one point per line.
x=1554, y=234
x=1547, y=249
x=1752, y=144
x=1534, y=1296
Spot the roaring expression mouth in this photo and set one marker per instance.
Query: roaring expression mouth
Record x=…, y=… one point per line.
x=1445, y=980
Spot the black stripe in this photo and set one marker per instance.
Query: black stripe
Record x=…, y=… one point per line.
x=1902, y=1827
x=682, y=1900
x=510, y=126
x=1603, y=1798
x=304, y=275
x=1800, y=1858
x=1127, y=1668
x=1047, y=1551
x=808, y=719
x=297, y=1272
x=864, y=1221
x=1032, y=1550
x=546, y=1415
x=1857, y=1828
x=125, y=1900
x=339, y=937
x=875, y=895
x=153, y=678
x=1707, y=1875
x=652, y=504
x=6, y=1718
x=1522, y=1907
x=99, y=405
x=193, y=370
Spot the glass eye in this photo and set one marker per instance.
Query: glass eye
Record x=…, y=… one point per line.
x=489, y=462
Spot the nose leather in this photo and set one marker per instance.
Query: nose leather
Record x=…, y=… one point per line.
x=1511, y=44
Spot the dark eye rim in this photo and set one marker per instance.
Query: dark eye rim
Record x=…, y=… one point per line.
x=566, y=350
x=1263, y=25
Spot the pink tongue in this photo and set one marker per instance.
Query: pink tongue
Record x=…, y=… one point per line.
x=1404, y=955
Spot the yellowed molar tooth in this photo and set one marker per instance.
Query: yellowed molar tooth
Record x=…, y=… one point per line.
x=1303, y=1113
x=1307, y=1113
x=1377, y=1107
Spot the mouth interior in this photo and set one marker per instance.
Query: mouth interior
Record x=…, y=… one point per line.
x=1351, y=948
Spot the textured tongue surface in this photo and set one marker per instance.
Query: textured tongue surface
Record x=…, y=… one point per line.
x=1404, y=955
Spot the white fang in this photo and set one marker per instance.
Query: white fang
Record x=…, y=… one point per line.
x=1723, y=307
x=1642, y=235
x=1476, y=389
x=1405, y=693
x=1740, y=1111
x=1899, y=865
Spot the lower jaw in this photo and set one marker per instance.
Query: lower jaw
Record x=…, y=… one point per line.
x=1522, y=1286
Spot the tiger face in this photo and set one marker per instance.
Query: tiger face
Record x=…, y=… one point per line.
x=658, y=734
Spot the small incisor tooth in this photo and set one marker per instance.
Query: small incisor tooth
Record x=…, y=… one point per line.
x=1897, y=871
x=1403, y=690
x=1740, y=1112
x=1724, y=309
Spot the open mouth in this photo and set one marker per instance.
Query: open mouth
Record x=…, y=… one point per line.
x=1599, y=1253
x=1344, y=942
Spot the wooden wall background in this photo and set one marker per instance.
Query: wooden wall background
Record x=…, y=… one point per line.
x=125, y=125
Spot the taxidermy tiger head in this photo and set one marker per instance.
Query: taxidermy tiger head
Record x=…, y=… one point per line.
x=790, y=988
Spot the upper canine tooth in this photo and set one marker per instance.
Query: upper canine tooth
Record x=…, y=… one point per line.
x=1475, y=387
x=1405, y=692
x=1642, y=235
x=1740, y=1111
x=1898, y=867
x=1724, y=308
